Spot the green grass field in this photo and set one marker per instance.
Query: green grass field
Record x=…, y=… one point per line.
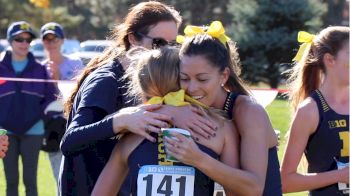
x=278, y=111
x=280, y=115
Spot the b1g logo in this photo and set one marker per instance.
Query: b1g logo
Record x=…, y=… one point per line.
x=337, y=123
x=158, y=180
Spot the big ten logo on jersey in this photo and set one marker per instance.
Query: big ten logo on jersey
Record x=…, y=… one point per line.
x=161, y=152
x=337, y=123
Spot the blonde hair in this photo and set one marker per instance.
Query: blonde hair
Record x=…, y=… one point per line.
x=306, y=76
x=154, y=73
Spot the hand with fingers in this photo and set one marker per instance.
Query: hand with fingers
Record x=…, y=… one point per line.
x=183, y=149
x=3, y=145
x=195, y=120
x=54, y=70
x=140, y=120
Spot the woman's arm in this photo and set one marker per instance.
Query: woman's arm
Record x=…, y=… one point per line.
x=304, y=124
x=113, y=174
x=256, y=134
x=91, y=125
x=240, y=183
x=230, y=157
x=87, y=127
x=228, y=164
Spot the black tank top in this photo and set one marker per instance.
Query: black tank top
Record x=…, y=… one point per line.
x=148, y=153
x=273, y=186
x=328, y=144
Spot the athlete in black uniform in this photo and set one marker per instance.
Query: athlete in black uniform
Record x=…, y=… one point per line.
x=329, y=138
x=208, y=65
x=320, y=128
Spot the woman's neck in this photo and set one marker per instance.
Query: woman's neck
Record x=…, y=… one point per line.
x=220, y=100
x=336, y=95
x=16, y=57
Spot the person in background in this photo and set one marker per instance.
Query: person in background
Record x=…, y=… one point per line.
x=61, y=67
x=320, y=128
x=23, y=107
x=98, y=107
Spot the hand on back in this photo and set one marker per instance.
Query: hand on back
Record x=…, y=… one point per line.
x=140, y=120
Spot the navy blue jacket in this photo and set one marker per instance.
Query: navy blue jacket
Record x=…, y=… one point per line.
x=23, y=103
x=87, y=143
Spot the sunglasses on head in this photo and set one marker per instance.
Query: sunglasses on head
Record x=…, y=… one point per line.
x=157, y=42
x=21, y=40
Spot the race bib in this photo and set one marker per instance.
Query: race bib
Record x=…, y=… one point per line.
x=343, y=186
x=159, y=180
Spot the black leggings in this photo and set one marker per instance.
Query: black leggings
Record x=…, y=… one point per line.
x=28, y=146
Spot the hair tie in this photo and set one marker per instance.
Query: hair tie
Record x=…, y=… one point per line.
x=305, y=38
x=216, y=30
x=178, y=98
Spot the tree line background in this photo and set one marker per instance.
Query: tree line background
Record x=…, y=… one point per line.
x=265, y=30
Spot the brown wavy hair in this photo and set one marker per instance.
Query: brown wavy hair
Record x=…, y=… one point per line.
x=306, y=76
x=139, y=19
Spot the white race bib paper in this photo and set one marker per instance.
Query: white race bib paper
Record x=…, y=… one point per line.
x=159, y=180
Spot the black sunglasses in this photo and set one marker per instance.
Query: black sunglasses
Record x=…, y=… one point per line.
x=21, y=40
x=157, y=42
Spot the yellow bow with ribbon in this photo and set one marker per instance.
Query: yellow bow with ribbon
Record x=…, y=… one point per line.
x=305, y=38
x=41, y=3
x=178, y=98
x=216, y=30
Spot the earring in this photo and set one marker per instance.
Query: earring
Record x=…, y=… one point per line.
x=222, y=85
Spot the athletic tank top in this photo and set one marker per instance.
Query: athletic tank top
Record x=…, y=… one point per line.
x=273, y=184
x=167, y=177
x=329, y=144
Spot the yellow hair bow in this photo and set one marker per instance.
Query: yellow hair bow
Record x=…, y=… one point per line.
x=178, y=98
x=305, y=38
x=216, y=30
x=41, y=3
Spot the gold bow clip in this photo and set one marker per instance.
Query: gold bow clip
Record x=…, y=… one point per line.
x=178, y=98
x=40, y=3
x=216, y=30
x=305, y=38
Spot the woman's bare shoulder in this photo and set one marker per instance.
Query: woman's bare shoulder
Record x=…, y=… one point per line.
x=247, y=106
